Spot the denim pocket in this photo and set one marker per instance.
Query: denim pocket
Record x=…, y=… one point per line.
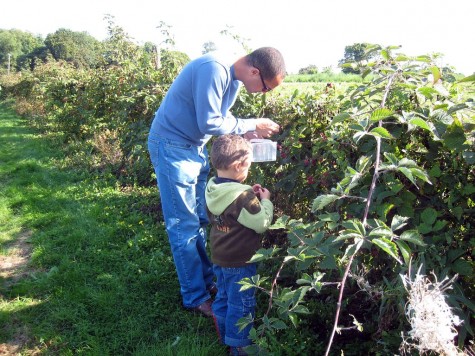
x=248, y=301
x=176, y=144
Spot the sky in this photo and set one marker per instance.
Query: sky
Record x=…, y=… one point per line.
x=306, y=32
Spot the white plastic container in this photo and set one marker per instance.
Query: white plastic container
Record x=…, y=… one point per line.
x=263, y=150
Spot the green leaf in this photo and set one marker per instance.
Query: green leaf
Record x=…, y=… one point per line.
x=246, y=287
x=405, y=251
x=279, y=324
x=454, y=138
x=469, y=189
x=323, y=200
x=280, y=223
x=457, y=211
x=429, y=215
x=348, y=234
x=453, y=254
x=435, y=73
x=294, y=319
x=417, y=121
x=341, y=117
x=424, y=228
x=469, y=157
x=328, y=262
x=264, y=253
x=244, y=322
x=330, y=217
x=388, y=246
x=423, y=58
x=383, y=209
x=352, y=249
x=407, y=172
x=357, y=225
x=357, y=136
x=422, y=175
x=306, y=279
x=462, y=267
x=412, y=236
x=435, y=171
x=381, y=132
x=405, y=162
x=441, y=89
x=427, y=92
x=398, y=222
x=363, y=163
x=456, y=107
x=380, y=114
x=381, y=231
x=391, y=158
x=470, y=78
x=257, y=257
x=301, y=309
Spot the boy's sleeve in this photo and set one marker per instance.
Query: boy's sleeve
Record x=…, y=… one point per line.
x=256, y=215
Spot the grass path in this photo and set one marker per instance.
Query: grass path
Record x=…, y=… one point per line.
x=85, y=266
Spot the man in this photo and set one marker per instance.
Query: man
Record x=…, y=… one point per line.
x=195, y=108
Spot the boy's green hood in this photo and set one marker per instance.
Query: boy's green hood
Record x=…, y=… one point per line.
x=219, y=199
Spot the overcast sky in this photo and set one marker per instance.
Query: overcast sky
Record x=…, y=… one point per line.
x=305, y=31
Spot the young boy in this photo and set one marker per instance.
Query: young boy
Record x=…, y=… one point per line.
x=238, y=213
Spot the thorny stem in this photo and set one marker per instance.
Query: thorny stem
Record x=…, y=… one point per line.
x=274, y=282
x=271, y=292
x=378, y=153
x=365, y=217
x=338, y=305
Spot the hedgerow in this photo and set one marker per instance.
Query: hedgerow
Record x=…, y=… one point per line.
x=372, y=185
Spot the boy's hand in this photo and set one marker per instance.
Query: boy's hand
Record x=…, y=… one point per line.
x=264, y=194
x=256, y=188
x=261, y=193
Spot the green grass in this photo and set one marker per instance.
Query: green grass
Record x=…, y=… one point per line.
x=100, y=279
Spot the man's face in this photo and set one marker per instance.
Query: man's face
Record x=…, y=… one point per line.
x=255, y=82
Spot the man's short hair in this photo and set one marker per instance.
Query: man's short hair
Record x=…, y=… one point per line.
x=269, y=61
x=228, y=149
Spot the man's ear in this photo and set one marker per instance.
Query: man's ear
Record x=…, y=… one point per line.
x=254, y=71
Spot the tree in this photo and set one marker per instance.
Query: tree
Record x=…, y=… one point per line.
x=15, y=44
x=208, y=47
x=32, y=59
x=311, y=69
x=79, y=48
x=355, y=53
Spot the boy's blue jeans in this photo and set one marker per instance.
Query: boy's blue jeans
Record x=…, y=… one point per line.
x=182, y=172
x=230, y=304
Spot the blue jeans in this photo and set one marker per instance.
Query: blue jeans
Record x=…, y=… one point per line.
x=230, y=304
x=182, y=172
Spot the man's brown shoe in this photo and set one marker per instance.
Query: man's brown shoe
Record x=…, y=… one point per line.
x=204, y=308
x=213, y=290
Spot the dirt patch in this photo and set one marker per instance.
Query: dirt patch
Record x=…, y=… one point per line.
x=13, y=267
x=13, y=264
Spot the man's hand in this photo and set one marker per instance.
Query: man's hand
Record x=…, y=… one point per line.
x=250, y=135
x=266, y=127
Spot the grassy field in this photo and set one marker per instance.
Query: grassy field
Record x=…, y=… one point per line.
x=85, y=264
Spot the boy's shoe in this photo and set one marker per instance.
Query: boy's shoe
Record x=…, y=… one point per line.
x=237, y=351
